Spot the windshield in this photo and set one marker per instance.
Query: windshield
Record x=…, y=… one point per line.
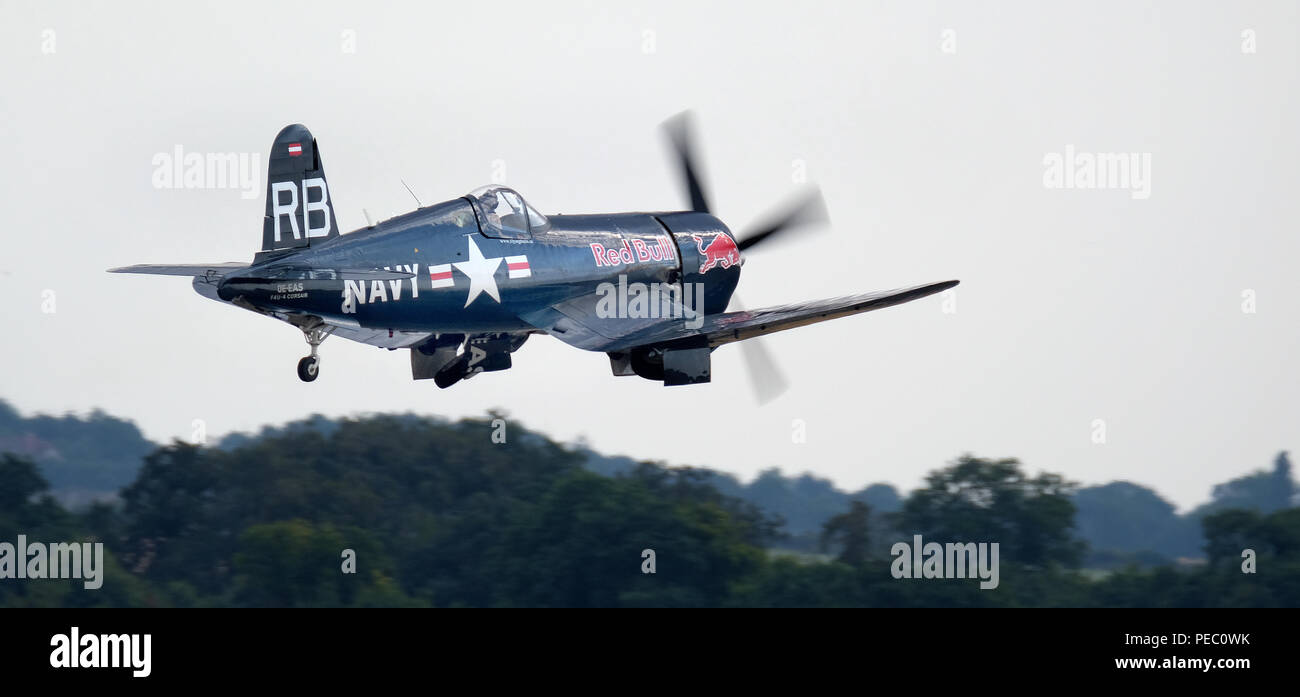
x=504, y=213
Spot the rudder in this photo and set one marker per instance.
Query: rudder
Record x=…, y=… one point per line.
x=298, y=208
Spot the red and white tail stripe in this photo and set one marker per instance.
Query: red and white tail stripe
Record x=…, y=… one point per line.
x=295, y=149
x=440, y=276
x=518, y=266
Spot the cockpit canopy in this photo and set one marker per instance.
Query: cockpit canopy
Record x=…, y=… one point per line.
x=502, y=212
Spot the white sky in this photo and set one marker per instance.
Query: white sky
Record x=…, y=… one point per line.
x=1075, y=305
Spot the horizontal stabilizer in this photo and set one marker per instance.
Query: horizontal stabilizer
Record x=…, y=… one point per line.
x=274, y=275
x=205, y=270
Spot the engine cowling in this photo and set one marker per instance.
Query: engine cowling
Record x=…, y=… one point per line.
x=710, y=256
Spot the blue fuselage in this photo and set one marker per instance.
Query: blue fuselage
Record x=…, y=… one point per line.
x=458, y=277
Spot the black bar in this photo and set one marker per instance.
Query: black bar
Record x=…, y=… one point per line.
x=323, y=646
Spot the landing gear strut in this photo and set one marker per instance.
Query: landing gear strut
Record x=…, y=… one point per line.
x=309, y=366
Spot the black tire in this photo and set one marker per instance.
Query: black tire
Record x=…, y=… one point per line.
x=308, y=368
x=645, y=366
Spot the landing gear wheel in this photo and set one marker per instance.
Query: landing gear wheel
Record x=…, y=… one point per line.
x=453, y=373
x=308, y=368
x=647, y=364
x=315, y=333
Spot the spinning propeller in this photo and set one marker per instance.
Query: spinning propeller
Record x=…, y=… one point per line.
x=809, y=209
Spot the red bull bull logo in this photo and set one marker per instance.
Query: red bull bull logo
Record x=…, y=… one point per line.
x=722, y=251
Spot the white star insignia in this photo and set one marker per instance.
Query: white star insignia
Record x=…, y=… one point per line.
x=481, y=273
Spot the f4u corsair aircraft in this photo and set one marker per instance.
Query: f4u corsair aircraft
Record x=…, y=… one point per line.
x=462, y=284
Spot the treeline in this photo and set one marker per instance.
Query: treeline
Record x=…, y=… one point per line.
x=83, y=458
x=437, y=514
x=1122, y=523
x=94, y=457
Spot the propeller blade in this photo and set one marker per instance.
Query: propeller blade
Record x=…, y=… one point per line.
x=810, y=209
x=765, y=377
x=680, y=134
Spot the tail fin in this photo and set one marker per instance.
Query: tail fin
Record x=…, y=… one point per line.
x=298, y=208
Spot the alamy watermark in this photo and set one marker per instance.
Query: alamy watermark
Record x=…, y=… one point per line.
x=207, y=170
x=77, y=650
x=637, y=300
x=1098, y=170
x=951, y=560
x=57, y=560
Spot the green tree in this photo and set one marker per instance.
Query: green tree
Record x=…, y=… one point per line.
x=849, y=533
x=979, y=500
x=1264, y=491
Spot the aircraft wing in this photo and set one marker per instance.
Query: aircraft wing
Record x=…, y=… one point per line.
x=381, y=338
x=587, y=331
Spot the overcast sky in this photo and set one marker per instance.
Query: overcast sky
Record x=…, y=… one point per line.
x=930, y=127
